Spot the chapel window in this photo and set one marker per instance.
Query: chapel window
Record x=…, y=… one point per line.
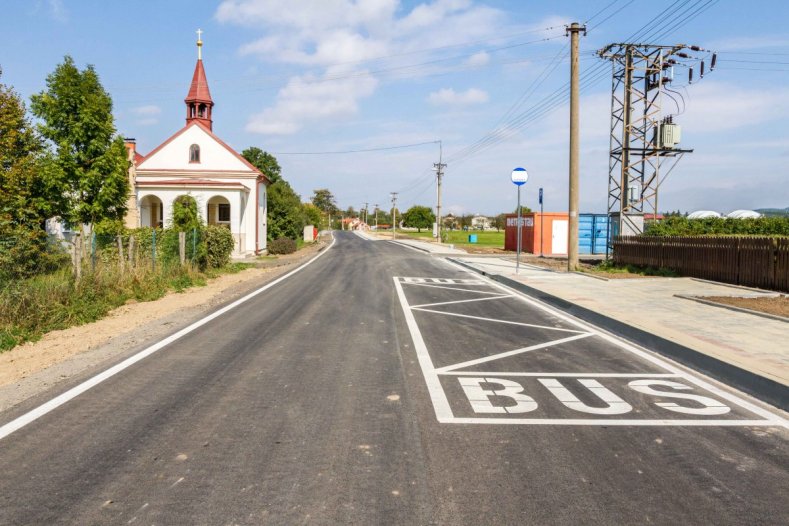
x=201, y=111
x=194, y=154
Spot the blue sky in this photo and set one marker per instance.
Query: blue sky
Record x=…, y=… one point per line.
x=336, y=75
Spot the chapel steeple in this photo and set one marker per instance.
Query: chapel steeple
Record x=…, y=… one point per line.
x=198, y=101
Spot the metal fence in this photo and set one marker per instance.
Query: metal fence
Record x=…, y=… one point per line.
x=751, y=261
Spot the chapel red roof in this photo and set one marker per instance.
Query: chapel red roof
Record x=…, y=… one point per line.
x=198, y=91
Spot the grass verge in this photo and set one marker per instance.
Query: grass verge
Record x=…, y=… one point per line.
x=32, y=307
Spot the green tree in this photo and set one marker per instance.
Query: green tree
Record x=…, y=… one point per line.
x=312, y=216
x=324, y=200
x=419, y=217
x=285, y=213
x=30, y=192
x=76, y=115
x=524, y=210
x=263, y=161
x=499, y=221
x=185, y=216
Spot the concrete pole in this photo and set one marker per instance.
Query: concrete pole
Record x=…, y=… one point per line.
x=518, y=244
x=572, y=236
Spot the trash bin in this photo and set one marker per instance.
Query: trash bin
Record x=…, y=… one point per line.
x=472, y=238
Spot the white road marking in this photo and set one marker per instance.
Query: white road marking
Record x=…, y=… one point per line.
x=511, y=353
x=453, y=288
x=437, y=395
x=444, y=413
x=498, y=321
x=562, y=375
x=74, y=392
x=461, y=301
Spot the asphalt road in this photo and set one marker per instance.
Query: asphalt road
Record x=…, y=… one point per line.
x=382, y=386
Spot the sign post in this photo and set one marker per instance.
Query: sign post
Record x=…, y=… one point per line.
x=519, y=177
x=542, y=218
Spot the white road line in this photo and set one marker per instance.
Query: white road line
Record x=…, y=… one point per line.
x=612, y=422
x=462, y=301
x=558, y=375
x=494, y=357
x=424, y=252
x=498, y=321
x=638, y=352
x=72, y=393
x=437, y=395
x=452, y=288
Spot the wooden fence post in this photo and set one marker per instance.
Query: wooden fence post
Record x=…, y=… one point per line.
x=131, y=251
x=120, y=253
x=182, y=246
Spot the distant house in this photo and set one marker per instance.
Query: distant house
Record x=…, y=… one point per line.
x=479, y=222
x=194, y=162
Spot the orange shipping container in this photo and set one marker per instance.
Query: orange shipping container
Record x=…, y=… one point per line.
x=540, y=233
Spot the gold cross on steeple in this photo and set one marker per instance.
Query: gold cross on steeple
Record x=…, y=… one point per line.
x=199, y=44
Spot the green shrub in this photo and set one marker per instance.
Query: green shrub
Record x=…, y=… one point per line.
x=25, y=252
x=682, y=226
x=219, y=245
x=282, y=245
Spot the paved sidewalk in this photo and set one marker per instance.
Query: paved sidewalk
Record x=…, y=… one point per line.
x=753, y=343
x=437, y=249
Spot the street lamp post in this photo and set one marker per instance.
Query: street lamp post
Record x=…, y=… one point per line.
x=519, y=177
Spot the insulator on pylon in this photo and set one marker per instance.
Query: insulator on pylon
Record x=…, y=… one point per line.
x=714, y=60
x=701, y=73
x=695, y=48
x=690, y=76
x=683, y=55
x=666, y=80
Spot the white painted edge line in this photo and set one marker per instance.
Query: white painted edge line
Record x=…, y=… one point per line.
x=507, y=354
x=436, y=391
x=72, y=393
x=497, y=297
x=646, y=355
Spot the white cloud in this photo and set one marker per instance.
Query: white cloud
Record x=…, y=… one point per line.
x=339, y=35
x=147, y=115
x=478, y=59
x=305, y=100
x=150, y=109
x=715, y=106
x=450, y=97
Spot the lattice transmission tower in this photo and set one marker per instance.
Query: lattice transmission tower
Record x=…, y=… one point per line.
x=644, y=139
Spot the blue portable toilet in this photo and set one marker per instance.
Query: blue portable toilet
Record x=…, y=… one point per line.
x=472, y=238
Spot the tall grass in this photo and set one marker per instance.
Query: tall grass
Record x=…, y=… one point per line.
x=31, y=307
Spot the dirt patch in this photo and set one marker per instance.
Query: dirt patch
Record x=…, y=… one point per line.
x=776, y=305
x=134, y=322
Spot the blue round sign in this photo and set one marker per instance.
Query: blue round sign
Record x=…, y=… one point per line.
x=519, y=176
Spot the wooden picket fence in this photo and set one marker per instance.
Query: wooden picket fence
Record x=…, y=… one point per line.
x=751, y=261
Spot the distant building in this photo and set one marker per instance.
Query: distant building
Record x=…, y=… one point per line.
x=743, y=214
x=479, y=222
x=194, y=162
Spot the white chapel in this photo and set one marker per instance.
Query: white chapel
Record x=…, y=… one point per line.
x=228, y=190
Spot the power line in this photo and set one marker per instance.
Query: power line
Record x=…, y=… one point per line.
x=378, y=149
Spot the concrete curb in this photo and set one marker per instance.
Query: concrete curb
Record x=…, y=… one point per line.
x=763, y=388
x=733, y=307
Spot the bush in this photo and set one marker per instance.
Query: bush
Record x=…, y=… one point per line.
x=25, y=252
x=282, y=245
x=682, y=226
x=219, y=245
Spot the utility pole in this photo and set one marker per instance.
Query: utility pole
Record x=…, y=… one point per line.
x=376, y=217
x=572, y=238
x=365, y=213
x=439, y=168
x=394, y=214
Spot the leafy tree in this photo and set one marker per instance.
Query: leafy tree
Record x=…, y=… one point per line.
x=285, y=213
x=524, y=210
x=185, y=214
x=419, y=217
x=76, y=115
x=263, y=161
x=312, y=216
x=499, y=221
x=28, y=192
x=465, y=221
x=325, y=200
